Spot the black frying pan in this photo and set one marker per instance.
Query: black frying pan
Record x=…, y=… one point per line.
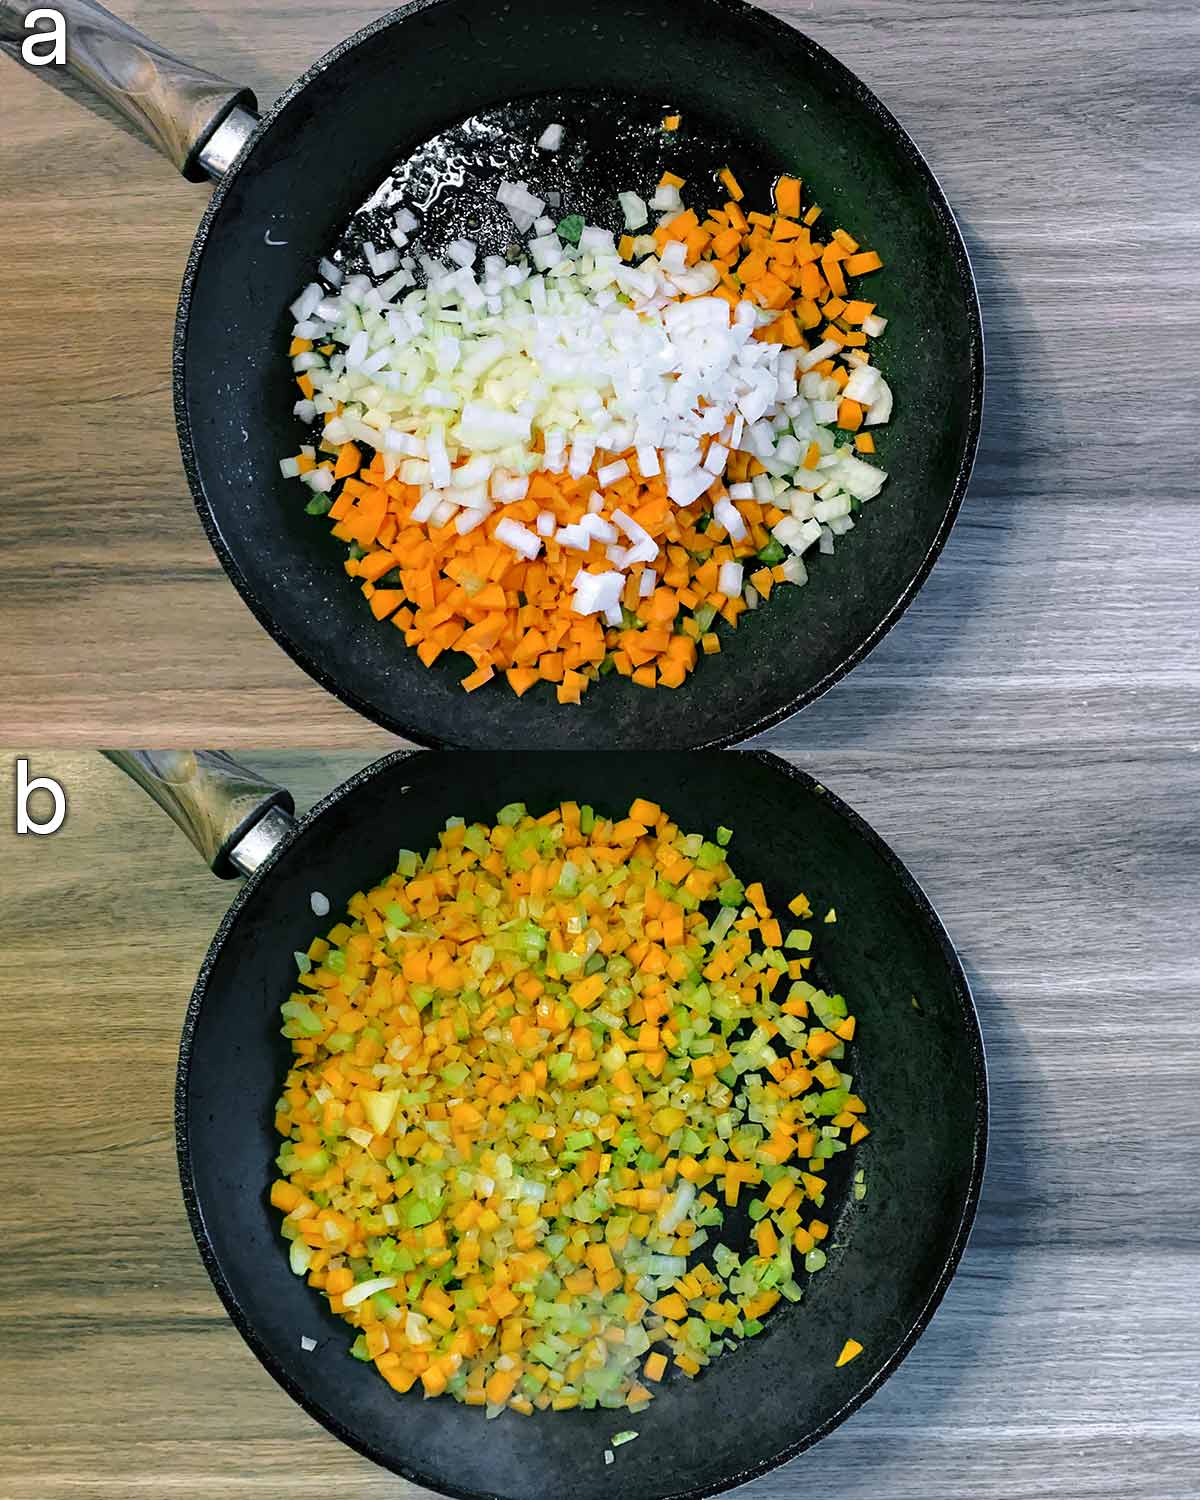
x=754, y=93
x=918, y=1055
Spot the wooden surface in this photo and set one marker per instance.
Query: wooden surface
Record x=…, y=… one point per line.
x=1027, y=738
x=1065, y=1360
x=1066, y=136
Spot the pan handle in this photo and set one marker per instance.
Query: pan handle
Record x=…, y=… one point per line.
x=233, y=816
x=181, y=108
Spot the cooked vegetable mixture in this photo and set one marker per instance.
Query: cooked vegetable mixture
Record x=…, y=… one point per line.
x=534, y=1071
x=580, y=461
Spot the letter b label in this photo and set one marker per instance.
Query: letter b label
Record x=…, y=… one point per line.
x=26, y=822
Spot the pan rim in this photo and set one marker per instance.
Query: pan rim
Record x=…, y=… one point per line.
x=962, y=1231
x=395, y=723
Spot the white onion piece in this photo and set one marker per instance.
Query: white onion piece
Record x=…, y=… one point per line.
x=636, y=213
x=596, y=526
x=523, y=541
x=731, y=518
x=597, y=593
x=364, y=1289
x=813, y=357
x=611, y=473
x=647, y=461
x=467, y=520
x=829, y=510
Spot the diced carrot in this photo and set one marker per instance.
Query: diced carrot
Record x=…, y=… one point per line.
x=787, y=197
x=850, y=415
x=349, y=461
x=385, y=602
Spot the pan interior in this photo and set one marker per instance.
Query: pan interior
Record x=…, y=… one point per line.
x=417, y=92
x=918, y=1064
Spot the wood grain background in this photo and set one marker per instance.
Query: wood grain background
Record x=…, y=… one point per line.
x=1027, y=739
x=1066, y=134
x=1065, y=1361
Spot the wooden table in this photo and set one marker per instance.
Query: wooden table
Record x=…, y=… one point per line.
x=1065, y=136
x=1026, y=738
x=1065, y=1360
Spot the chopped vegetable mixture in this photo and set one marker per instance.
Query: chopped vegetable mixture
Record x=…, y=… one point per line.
x=533, y=1072
x=584, y=461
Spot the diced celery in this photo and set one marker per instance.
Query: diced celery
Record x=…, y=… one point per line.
x=476, y=840
x=297, y=1012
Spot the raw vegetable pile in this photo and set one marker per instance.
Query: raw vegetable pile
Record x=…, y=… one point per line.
x=532, y=1074
x=576, y=463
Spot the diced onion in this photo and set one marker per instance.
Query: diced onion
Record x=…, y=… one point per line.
x=731, y=518
x=364, y=1289
x=519, y=538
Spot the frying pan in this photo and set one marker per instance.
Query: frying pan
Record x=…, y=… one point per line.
x=753, y=92
x=917, y=1054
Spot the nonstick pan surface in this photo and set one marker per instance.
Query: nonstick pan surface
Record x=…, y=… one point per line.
x=754, y=93
x=917, y=1056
